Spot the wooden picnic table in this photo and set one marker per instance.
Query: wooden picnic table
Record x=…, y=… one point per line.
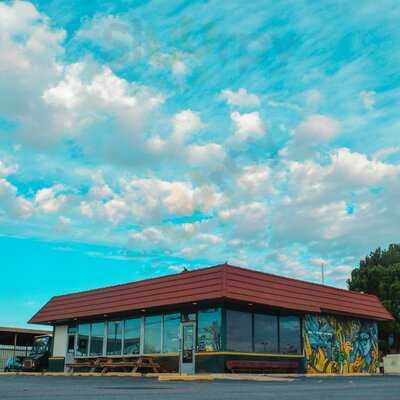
x=112, y=364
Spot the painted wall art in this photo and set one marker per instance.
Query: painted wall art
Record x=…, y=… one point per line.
x=340, y=345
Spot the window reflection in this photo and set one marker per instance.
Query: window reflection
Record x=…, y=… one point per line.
x=96, y=339
x=83, y=340
x=290, y=335
x=132, y=336
x=152, y=334
x=171, y=333
x=239, y=331
x=209, y=330
x=265, y=333
x=114, y=338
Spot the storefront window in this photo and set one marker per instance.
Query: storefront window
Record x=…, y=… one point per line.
x=132, y=336
x=265, y=333
x=72, y=329
x=83, y=340
x=209, y=330
x=239, y=331
x=290, y=335
x=114, y=338
x=96, y=339
x=171, y=333
x=152, y=334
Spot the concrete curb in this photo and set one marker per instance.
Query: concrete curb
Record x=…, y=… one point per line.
x=165, y=377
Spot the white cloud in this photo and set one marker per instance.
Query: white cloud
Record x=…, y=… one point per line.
x=247, y=220
x=64, y=221
x=150, y=199
x=386, y=152
x=108, y=31
x=368, y=99
x=50, y=200
x=205, y=155
x=185, y=123
x=241, y=98
x=179, y=68
x=256, y=179
x=6, y=169
x=317, y=128
x=11, y=204
x=248, y=126
x=210, y=238
x=313, y=97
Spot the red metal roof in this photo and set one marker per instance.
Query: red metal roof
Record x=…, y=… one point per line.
x=221, y=282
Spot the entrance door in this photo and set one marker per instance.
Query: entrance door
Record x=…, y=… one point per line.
x=188, y=344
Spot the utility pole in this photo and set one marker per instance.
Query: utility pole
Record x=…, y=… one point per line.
x=323, y=273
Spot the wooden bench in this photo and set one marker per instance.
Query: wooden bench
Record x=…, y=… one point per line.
x=262, y=366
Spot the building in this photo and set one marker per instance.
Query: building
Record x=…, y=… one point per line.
x=203, y=320
x=16, y=342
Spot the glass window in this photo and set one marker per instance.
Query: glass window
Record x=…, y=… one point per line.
x=132, y=336
x=72, y=329
x=290, y=335
x=171, y=333
x=152, y=334
x=209, y=330
x=96, y=339
x=239, y=331
x=114, y=338
x=71, y=344
x=265, y=333
x=83, y=340
x=186, y=317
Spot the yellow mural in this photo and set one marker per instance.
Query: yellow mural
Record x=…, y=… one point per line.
x=339, y=345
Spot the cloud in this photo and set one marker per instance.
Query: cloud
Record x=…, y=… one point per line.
x=313, y=97
x=241, y=98
x=6, y=169
x=247, y=221
x=256, y=179
x=368, y=99
x=144, y=200
x=211, y=154
x=317, y=128
x=12, y=205
x=179, y=68
x=185, y=123
x=248, y=126
x=50, y=200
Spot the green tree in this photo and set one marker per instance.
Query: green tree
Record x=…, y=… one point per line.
x=379, y=274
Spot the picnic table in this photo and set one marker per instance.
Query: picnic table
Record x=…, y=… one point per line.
x=112, y=364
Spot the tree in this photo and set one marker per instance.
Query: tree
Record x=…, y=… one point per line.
x=379, y=274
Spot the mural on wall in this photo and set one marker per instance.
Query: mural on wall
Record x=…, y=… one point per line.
x=339, y=345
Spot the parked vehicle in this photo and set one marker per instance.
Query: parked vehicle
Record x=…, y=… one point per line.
x=38, y=359
x=14, y=364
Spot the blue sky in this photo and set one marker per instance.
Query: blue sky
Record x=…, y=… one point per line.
x=140, y=137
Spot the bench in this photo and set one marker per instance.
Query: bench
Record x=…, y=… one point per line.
x=262, y=366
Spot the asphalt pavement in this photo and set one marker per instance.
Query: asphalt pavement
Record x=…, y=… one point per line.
x=121, y=388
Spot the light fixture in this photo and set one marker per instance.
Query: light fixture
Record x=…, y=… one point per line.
x=194, y=303
x=143, y=310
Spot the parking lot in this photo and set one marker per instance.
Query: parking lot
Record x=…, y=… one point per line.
x=81, y=388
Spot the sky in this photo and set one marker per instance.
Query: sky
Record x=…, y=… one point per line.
x=139, y=137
